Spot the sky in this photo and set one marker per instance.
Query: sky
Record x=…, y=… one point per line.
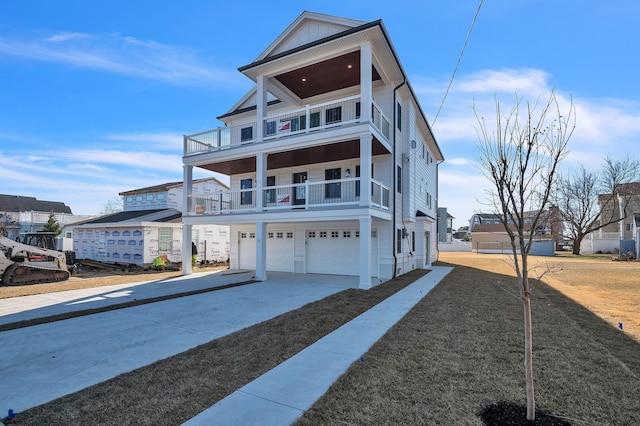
x=95, y=97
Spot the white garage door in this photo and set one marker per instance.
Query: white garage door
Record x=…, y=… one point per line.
x=247, y=250
x=279, y=250
x=337, y=252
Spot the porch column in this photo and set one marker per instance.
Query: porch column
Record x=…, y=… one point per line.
x=261, y=106
x=261, y=251
x=365, y=253
x=261, y=178
x=365, y=169
x=187, y=189
x=366, y=94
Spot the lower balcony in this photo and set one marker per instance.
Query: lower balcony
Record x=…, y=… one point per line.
x=336, y=193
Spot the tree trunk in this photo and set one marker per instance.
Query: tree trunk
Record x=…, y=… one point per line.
x=575, y=246
x=528, y=356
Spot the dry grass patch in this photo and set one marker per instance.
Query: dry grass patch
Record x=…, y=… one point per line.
x=609, y=289
x=461, y=348
x=176, y=389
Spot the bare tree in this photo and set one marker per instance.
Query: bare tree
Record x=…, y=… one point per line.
x=589, y=202
x=520, y=157
x=112, y=206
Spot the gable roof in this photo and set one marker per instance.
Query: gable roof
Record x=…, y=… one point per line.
x=308, y=25
x=18, y=203
x=135, y=216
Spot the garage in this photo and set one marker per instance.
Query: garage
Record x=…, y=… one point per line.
x=279, y=250
x=337, y=252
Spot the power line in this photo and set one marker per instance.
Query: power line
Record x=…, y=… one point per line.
x=458, y=63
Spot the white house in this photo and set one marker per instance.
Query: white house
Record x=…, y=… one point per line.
x=149, y=226
x=332, y=164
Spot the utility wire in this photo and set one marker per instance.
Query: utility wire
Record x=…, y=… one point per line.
x=458, y=63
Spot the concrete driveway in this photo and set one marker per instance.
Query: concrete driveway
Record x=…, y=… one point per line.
x=44, y=362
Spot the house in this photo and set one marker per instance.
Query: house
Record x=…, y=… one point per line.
x=549, y=226
x=149, y=226
x=620, y=207
x=332, y=163
x=445, y=225
x=27, y=214
x=492, y=238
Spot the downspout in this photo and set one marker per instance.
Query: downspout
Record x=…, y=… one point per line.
x=394, y=173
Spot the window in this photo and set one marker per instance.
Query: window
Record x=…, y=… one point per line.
x=252, y=234
x=358, y=181
x=129, y=198
x=246, y=197
x=333, y=115
x=312, y=234
x=335, y=234
x=399, y=117
x=165, y=236
x=357, y=109
x=628, y=227
x=279, y=235
x=289, y=234
x=150, y=197
x=332, y=190
x=413, y=241
x=271, y=128
x=160, y=196
x=323, y=234
x=314, y=119
x=270, y=194
x=138, y=197
x=346, y=234
x=269, y=234
x=68, y=235
x=399, y=180
x=398, y=241
x=246, y=134
x=298, y=123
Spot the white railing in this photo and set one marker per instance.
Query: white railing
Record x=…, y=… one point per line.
x=33, y=217
x=307, y=195
x=308, y=119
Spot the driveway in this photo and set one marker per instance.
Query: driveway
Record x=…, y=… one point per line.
x=44, y=362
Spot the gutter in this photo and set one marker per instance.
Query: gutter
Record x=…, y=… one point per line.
x=393, y=172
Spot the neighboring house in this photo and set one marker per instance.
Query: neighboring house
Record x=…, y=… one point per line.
x=150, y=226
x=495, y=239
x=332, y=164
x=492, y=230
x=28, y=214
x=619, y=236
x=445, y=225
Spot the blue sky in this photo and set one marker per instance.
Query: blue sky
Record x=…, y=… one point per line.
x=95, y=96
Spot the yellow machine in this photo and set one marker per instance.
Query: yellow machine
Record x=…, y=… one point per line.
x=27, y=264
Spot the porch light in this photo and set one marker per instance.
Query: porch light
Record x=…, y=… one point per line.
x=304, y=78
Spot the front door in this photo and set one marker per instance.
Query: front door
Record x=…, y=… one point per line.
x=299, y=195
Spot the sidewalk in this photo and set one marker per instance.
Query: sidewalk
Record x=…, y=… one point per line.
x=283, y=394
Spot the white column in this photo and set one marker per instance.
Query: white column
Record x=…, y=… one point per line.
x=261, y=106
x=366, y=94
x=261, y=251
x=365, y=169
x=187, y=189
x=261, y=179
x=365, y=253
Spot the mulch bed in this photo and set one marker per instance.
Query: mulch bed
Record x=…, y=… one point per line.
x=511, y=414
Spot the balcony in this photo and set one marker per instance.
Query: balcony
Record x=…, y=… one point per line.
x=308, y=195
x=312, y=118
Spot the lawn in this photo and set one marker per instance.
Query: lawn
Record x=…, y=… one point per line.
x=458, y=350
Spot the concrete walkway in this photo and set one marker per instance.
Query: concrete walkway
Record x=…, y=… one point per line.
x=284, y=393
x=45, y=362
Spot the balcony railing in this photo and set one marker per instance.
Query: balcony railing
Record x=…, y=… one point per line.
x=309, y=119
x=307, y=195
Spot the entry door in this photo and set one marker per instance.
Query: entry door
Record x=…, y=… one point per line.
x=299, y=195
x=427, y=254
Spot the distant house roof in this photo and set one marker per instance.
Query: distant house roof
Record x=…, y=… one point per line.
x=493, y=228
x=18, y=203
x=167, y=186
x=158, y=215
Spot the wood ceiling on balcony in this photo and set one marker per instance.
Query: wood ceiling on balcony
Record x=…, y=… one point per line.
x=299, y=157
x=326, y=76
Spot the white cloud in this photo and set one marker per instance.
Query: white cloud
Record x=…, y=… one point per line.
x=459, y=161
x=123, y=55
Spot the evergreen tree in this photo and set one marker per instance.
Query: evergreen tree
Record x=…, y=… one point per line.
x=52, y=224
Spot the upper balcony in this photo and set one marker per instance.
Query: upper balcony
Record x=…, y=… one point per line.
x=311, y=118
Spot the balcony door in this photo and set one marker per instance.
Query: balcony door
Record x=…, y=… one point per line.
x=299, y=195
